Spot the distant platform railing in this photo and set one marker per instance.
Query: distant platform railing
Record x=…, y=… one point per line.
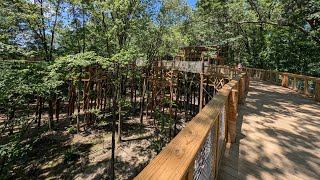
x=306, y=85
x=199, y=67
x=196, y=152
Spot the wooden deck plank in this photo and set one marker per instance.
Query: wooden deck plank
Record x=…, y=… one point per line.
x=278, y=136
x=226, y=176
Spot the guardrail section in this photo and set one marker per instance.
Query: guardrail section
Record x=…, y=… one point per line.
x=306, y=85
x=195, y=153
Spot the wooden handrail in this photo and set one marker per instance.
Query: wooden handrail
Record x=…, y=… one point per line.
x=177, y=160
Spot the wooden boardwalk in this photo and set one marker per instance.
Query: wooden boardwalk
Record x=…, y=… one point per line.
x=278, y=136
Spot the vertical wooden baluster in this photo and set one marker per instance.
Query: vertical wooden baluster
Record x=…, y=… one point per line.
x=232, y=115
x=305, y=86
x=264, y=76
x=285, y=79
x=276, y=78
x=317, y=90
x=247, y=82
x=294, y=83
x=242, y=90
x=189, y=174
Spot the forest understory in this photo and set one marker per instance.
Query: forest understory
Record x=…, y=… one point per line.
x=63, y=154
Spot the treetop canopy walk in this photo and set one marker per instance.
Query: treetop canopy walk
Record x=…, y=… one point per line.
x=279, y=137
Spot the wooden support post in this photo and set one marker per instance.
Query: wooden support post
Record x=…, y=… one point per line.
x=178, y=105
x=232, y=116
x=264, y=76
x=242, y=90
x=294, y=83
x=201, y=92
x=270, y=76
x=186, y=89
x=305, y=86
x=207, y=90
x=194, y=99
x=201, y=85
x=247, y=82
x=171, y=102
x=189, y=174
x=285, y=80
x=317, y=91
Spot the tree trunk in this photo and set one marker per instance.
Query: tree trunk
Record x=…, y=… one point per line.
x=11, y=123
x=119, y=109
x=78, y=102
x=39, y=111
x=50, y=114
x=57, y=108
x=113, y=142
x=142, y=100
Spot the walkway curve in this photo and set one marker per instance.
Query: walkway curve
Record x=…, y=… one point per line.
x=278, y=136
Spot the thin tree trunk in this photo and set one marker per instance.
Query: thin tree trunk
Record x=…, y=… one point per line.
x=113, y=142
x=57, y=108
x=119, y=109
x=53, y=30
x=40, y=111
x=142, y=100
x=78, y=102
x=50, y=114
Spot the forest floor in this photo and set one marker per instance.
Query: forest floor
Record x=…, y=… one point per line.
x=60, y=154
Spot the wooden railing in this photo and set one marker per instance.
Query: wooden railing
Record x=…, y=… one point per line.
x=306, y=85
x=197, y=66
x=196, y=152
x=219, y=69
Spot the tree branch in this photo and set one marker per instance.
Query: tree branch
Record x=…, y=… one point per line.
x=284, y=24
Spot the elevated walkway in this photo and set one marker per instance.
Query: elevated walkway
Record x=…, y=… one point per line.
x=273, y=129
x=278, y=136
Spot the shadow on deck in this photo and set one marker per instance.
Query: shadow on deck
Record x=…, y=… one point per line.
x=278, y=136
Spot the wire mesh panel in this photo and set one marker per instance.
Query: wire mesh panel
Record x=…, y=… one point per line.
x=290, y=79
x=300, y=85
x=203, y=166
x=311, y=88
x=221, y=131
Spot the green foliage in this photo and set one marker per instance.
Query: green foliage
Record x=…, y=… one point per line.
x=10, y=152
x=20, y=81
x=70, y=67
x=72, y=130
x=282, y=35
x=163, y=125
x=13, y=150
x=157, y=145
x=71, y=155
